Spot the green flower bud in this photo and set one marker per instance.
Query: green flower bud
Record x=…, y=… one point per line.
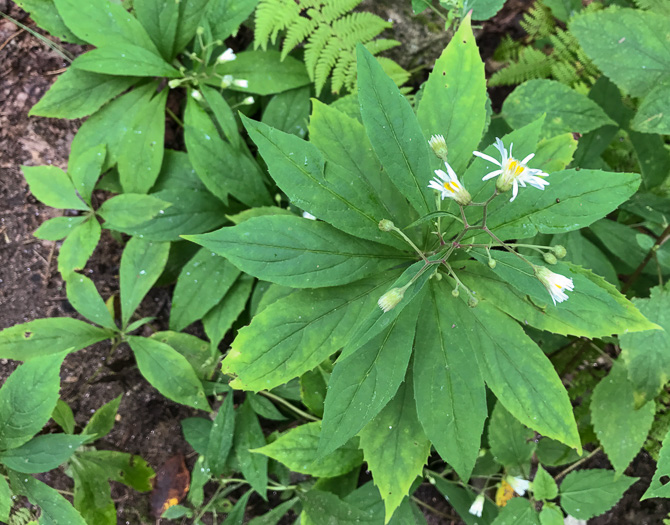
x=386, y=226
x=492, y=263
x=549, y=258
x=472, y=302
x=455, y=292
x=560, y=251
x=390, y=299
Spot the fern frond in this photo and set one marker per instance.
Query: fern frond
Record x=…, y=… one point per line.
x=315, y=46
x=299, y=31
x=532, y=63
x=538, y=22
x=380, y=45
x=273, y=16
x=345, y=67
x=332, y=10
x=358, y=27
x=565, y=73
x=507, y=50
x=327, y=61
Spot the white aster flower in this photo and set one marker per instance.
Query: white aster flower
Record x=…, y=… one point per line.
x=241, y=83
x=439, y=146
x=449, y=186
x=519, y=485
x=555, y=283
x=308, y=215
x=477, y=506
x=227, y=56
x=513, y=172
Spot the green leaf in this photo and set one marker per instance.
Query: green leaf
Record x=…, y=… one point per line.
x=6, y=501
x=168, y=371
x=485, y=9
x=79, y=246
x=583, y=196
x=196, y=432
x=131, y=209
x=551, y=514
x=544, y=486
x=141, y=151
x=102, y=422
x=77, y=94
x=225, y=16
x=583, y=252
x=512, y=444
x=394, y=132
x=221, y=436
x=124, y=59
x=563, y=10
x=519, y=374
x=55, y=509
x=264, y=408
x=53, y=187
x=296, y=333
x=289, y=111
x=647, y=354
x=325, y=508
x=552, y=453
x=142, y=263
x=624, y=44
x=236, y=515
x=160, y=19
x=658, y=489
x=362, y=383
x=42, y=453
x=566, y=109
x=190, y=15
x=196, y=351
x=395, y=447
x=313, y=387
x=125, y=468
x=27, y=400
x=297, y=252
x=652, y=116
x=595, y=307
x=84, y=297
x=63, y=416
x=342, y=140
x=202, y=283
x=221, y=317
x=84, y=169
x=186, y=211
x=272, y=517
x=45, y=337
x=46, y=16
x=516, y=512
x=297, y=449
x=621, y=427
x=223, y=168
x=555, y=154
x=264, y=71
x=58, y=228
x=327, y=191
x=591, y=492
x=454, y=98
x=461, y=498
x=248, y=435
x=444, y=376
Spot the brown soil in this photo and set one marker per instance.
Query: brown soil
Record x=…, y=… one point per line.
x=31, y=288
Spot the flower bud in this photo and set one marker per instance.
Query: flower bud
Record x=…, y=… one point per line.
x=227, y=56
x=473, y=301
x=386, y=226
x=174, y=83
x=439, y=147
x=226, y=81
x=248, y=101
x=390, y=299
x=238, y=82
x=455, y=292
x=492, y=263
x=196, y=95
x=504, y=184
x=200, y=31
x=560, y=251
x=549, y=258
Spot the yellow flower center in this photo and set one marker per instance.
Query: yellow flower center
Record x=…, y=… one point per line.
x=513, y=168
x=451, y=186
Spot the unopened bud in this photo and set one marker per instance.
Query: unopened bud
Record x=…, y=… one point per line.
x=227, y=56
x=174, y=83
x=386, y=226
x=439, y=146
x=455, y=292
x=560, y=251
x=549, y=258
x=390, y=299
x=248, y=101
x=200, y=31
x=196, y=95
x=472, y=302
x=226, y=81
x=241, y=83
x=492, y=263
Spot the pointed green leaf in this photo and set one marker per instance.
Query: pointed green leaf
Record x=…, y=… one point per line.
x=658, y=489
x=84, y=169
x=64, y=417
x=27, y=400
x=221, y=436
x=296, y=333
x=168, y=371
x=621, y=427
x=591, y=492
x=202, y=283
x=128, y=210
x=79, y=246
x=55, y=509
x=394, y=132
x=446, y=376
x=53, y=187
x=325, y=508
x=123, y=59
x=551, y=514
x=78, y=93
x=142, y=263
x=46, y=16
x=461, y=498
x=647, y=354
x=516, y=512
x=652, y=116
x=102, y=422
x=297, y=252
x=297, y=449
x=58, y=228
x=160, y=19
x=196, y=351
x=395, y=447
x=221, y=317
x=249, y=435
x=125, y=468
x=327, y=191
x=454, y=98
x=364, y=382
x=225, y=16
x=544, y=486
x=196, y=432
x=512, y=444
x=43, y=337
x=84, y=297
x=42, y=453
x=289, y=111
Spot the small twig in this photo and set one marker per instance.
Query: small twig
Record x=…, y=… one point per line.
x=576, y=464
x=433, y=509
x=659, y=242
x=288, y=405
x=10, y=37
x=174, y=117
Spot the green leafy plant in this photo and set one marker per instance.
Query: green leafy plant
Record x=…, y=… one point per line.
x=331, y=32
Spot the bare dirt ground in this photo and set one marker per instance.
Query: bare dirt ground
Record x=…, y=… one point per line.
x=31, y=288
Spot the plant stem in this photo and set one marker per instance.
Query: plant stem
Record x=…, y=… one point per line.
x=288, y=405
x=576, y=464
x=174, y=117
x=665, y=235
x=409, y=241
x=499, y=241
x=433, y=509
